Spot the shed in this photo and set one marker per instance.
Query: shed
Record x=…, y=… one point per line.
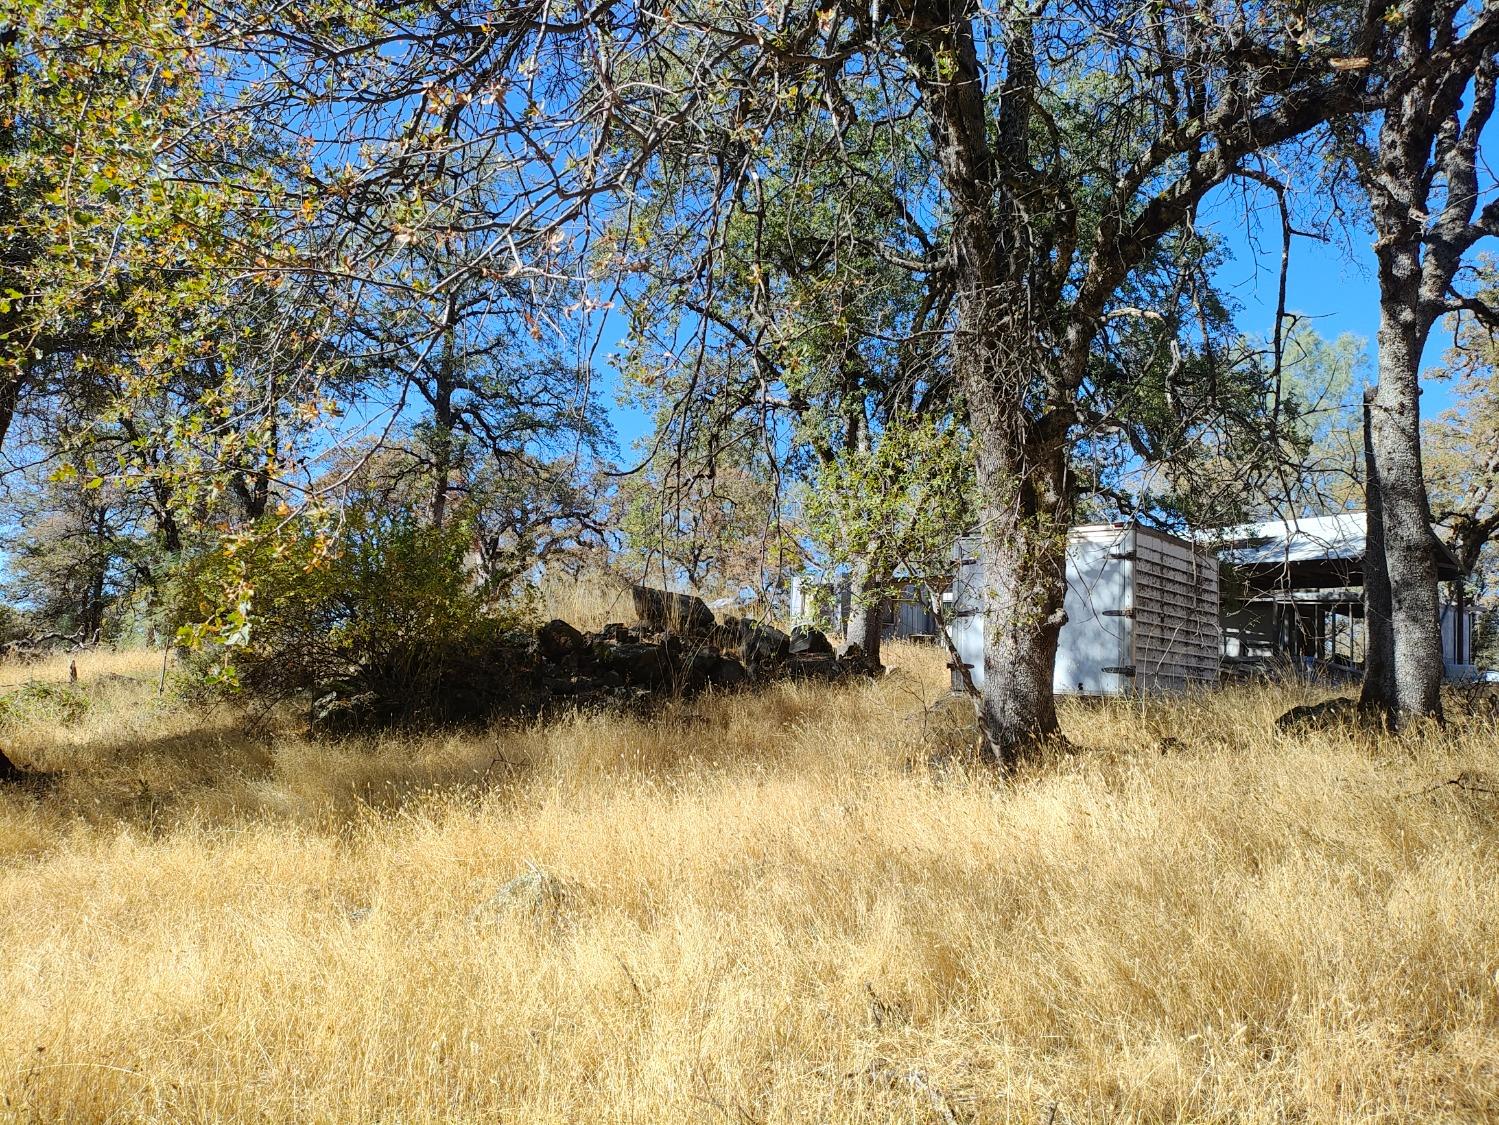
x=1301, y=600
x=827, y=606
x=1142, y=613
x=824, y=605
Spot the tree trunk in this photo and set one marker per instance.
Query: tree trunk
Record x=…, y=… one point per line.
x=1422, y=141
x=1409, y=555
x=866, y=602
x=1379, y=641
x=442, y=432
x=1461, y=650
x=1000, y=361
x=92, y=609
x=865, y=613
x=1023, y=519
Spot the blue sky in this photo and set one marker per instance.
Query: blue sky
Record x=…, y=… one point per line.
x=1337, y=292
x=1334, y=284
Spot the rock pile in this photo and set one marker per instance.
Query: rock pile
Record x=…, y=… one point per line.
x=678, y=649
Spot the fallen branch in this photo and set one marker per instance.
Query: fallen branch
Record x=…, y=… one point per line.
x=1469, y=781
x=33, y=646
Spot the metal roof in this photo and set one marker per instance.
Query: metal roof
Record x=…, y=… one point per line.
x=1309, y=551
x=1339, y=537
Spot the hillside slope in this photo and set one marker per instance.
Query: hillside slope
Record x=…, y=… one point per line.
x=757, y=908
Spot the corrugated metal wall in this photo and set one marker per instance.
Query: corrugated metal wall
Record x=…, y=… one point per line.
x=1178, y=643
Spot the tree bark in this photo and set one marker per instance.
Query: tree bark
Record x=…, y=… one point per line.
x=1461, y=648
x=1378, y=691
x=1410, y=565
x=866, y=600
x=442, y=431
x=1024, y=515
x=865, y=613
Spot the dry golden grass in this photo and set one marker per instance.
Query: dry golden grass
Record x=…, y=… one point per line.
x=93, y=664
x=589, y=601
x=756, y=908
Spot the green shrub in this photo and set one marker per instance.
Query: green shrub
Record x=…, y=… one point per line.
x=384, y=607
x=42, y=703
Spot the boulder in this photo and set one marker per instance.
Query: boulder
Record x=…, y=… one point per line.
x=533, y=893
x=563, y=683
x=814, y=666
x=557, y=640
x=639, y=665
x=9, y=771
x=807, y=640
x=729, y=673
x=725, y=635
x=762, y=645
x=853, y=661
x=662, y=609
x=1328, y=713
x=695, y=671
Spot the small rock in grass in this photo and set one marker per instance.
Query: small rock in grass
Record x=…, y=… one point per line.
x=1314, y=716
x=534, y=892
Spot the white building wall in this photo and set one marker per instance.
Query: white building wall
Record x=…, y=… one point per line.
x=1455, y=654
x=1142, y=614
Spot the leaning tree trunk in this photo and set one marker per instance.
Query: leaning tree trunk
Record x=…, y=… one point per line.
x=1410, y=560
x=1379, y=640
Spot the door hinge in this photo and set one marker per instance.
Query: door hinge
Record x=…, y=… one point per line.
x=1122, y=670
x=1128, y=611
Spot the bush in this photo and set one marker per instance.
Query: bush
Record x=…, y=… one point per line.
x=385, y=609
x=44, y=703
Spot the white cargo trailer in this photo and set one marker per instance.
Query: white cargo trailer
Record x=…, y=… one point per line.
x=1142, y=613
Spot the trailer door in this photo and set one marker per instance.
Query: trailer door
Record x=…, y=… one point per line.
x=1093, y=651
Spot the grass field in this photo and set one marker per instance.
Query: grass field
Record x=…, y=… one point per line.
x=758, y=908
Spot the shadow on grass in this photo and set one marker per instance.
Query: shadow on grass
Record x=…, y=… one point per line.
x=227, y=772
